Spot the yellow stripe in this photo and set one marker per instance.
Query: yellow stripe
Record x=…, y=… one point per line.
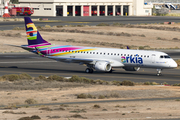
x=65, y=53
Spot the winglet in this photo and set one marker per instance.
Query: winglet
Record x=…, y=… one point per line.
x=127, y=47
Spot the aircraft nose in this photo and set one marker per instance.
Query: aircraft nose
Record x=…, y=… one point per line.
x=173, y=64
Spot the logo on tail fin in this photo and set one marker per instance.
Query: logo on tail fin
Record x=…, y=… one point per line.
x=31, y=31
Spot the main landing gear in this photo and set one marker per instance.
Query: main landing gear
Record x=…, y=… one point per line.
x=89, y=70
x=159, y=72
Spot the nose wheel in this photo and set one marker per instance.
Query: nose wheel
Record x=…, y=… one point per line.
x=159, y=72
x=89, y=70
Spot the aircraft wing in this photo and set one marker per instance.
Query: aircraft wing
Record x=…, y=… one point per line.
x=83, y=61
x=72, y=60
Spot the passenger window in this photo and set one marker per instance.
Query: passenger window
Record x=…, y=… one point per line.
x=161, y=56
x=114, y=53
x=118, y=54
x=104, y=53
x=97, y=52
x=111, y=53
x=145, y=56
x=93, y=52
x=108, y=53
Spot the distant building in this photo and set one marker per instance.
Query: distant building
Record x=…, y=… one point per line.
x=163, y=1
x=87, y=7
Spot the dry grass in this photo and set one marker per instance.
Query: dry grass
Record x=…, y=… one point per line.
x=106, y=94
x=78, y=116
x=118, y=36
x=134, y=109
x=178, y=62
x=34, y=117
x=30, y=101
x=26, y=82
x=92, y=32
x=11, y=35
x=12, y=112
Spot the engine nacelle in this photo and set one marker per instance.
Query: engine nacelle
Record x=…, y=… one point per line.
x=103, y=66
x=131, y=68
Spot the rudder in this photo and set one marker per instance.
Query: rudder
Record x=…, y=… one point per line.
x=33, y=36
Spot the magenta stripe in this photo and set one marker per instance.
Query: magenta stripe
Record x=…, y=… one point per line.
x=64, y=49
x=32, y=46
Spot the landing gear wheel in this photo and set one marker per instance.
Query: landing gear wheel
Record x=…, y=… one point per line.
x=110, y=71
x=159, y=72
x=89, y=70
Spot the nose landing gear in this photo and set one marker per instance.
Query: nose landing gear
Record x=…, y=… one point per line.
x=159, y=72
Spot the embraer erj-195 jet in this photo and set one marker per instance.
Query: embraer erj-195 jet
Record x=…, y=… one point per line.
x=99, y=59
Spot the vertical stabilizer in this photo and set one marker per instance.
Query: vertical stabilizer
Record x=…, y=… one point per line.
x=33, y=36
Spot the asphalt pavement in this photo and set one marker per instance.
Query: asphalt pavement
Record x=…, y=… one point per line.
x=92, y=21
x=16, y=63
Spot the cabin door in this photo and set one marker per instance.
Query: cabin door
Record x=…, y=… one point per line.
x=153, y=58
x=49, y=51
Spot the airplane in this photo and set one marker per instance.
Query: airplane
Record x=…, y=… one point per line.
x=95, y=58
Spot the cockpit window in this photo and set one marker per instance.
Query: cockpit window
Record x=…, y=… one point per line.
x=166, y=56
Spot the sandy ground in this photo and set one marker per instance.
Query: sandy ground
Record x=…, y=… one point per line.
x=115, y=110
x=153, y=38
x=112, y=110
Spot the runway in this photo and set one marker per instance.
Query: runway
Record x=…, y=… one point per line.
x=16, y=63
x=92, y=21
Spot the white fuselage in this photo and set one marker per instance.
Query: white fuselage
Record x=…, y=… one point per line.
x=126, y=57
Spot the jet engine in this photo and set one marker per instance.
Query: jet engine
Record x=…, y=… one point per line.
x=103, y=66
x=131, y=68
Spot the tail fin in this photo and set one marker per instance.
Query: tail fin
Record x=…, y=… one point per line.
x=33, y=36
